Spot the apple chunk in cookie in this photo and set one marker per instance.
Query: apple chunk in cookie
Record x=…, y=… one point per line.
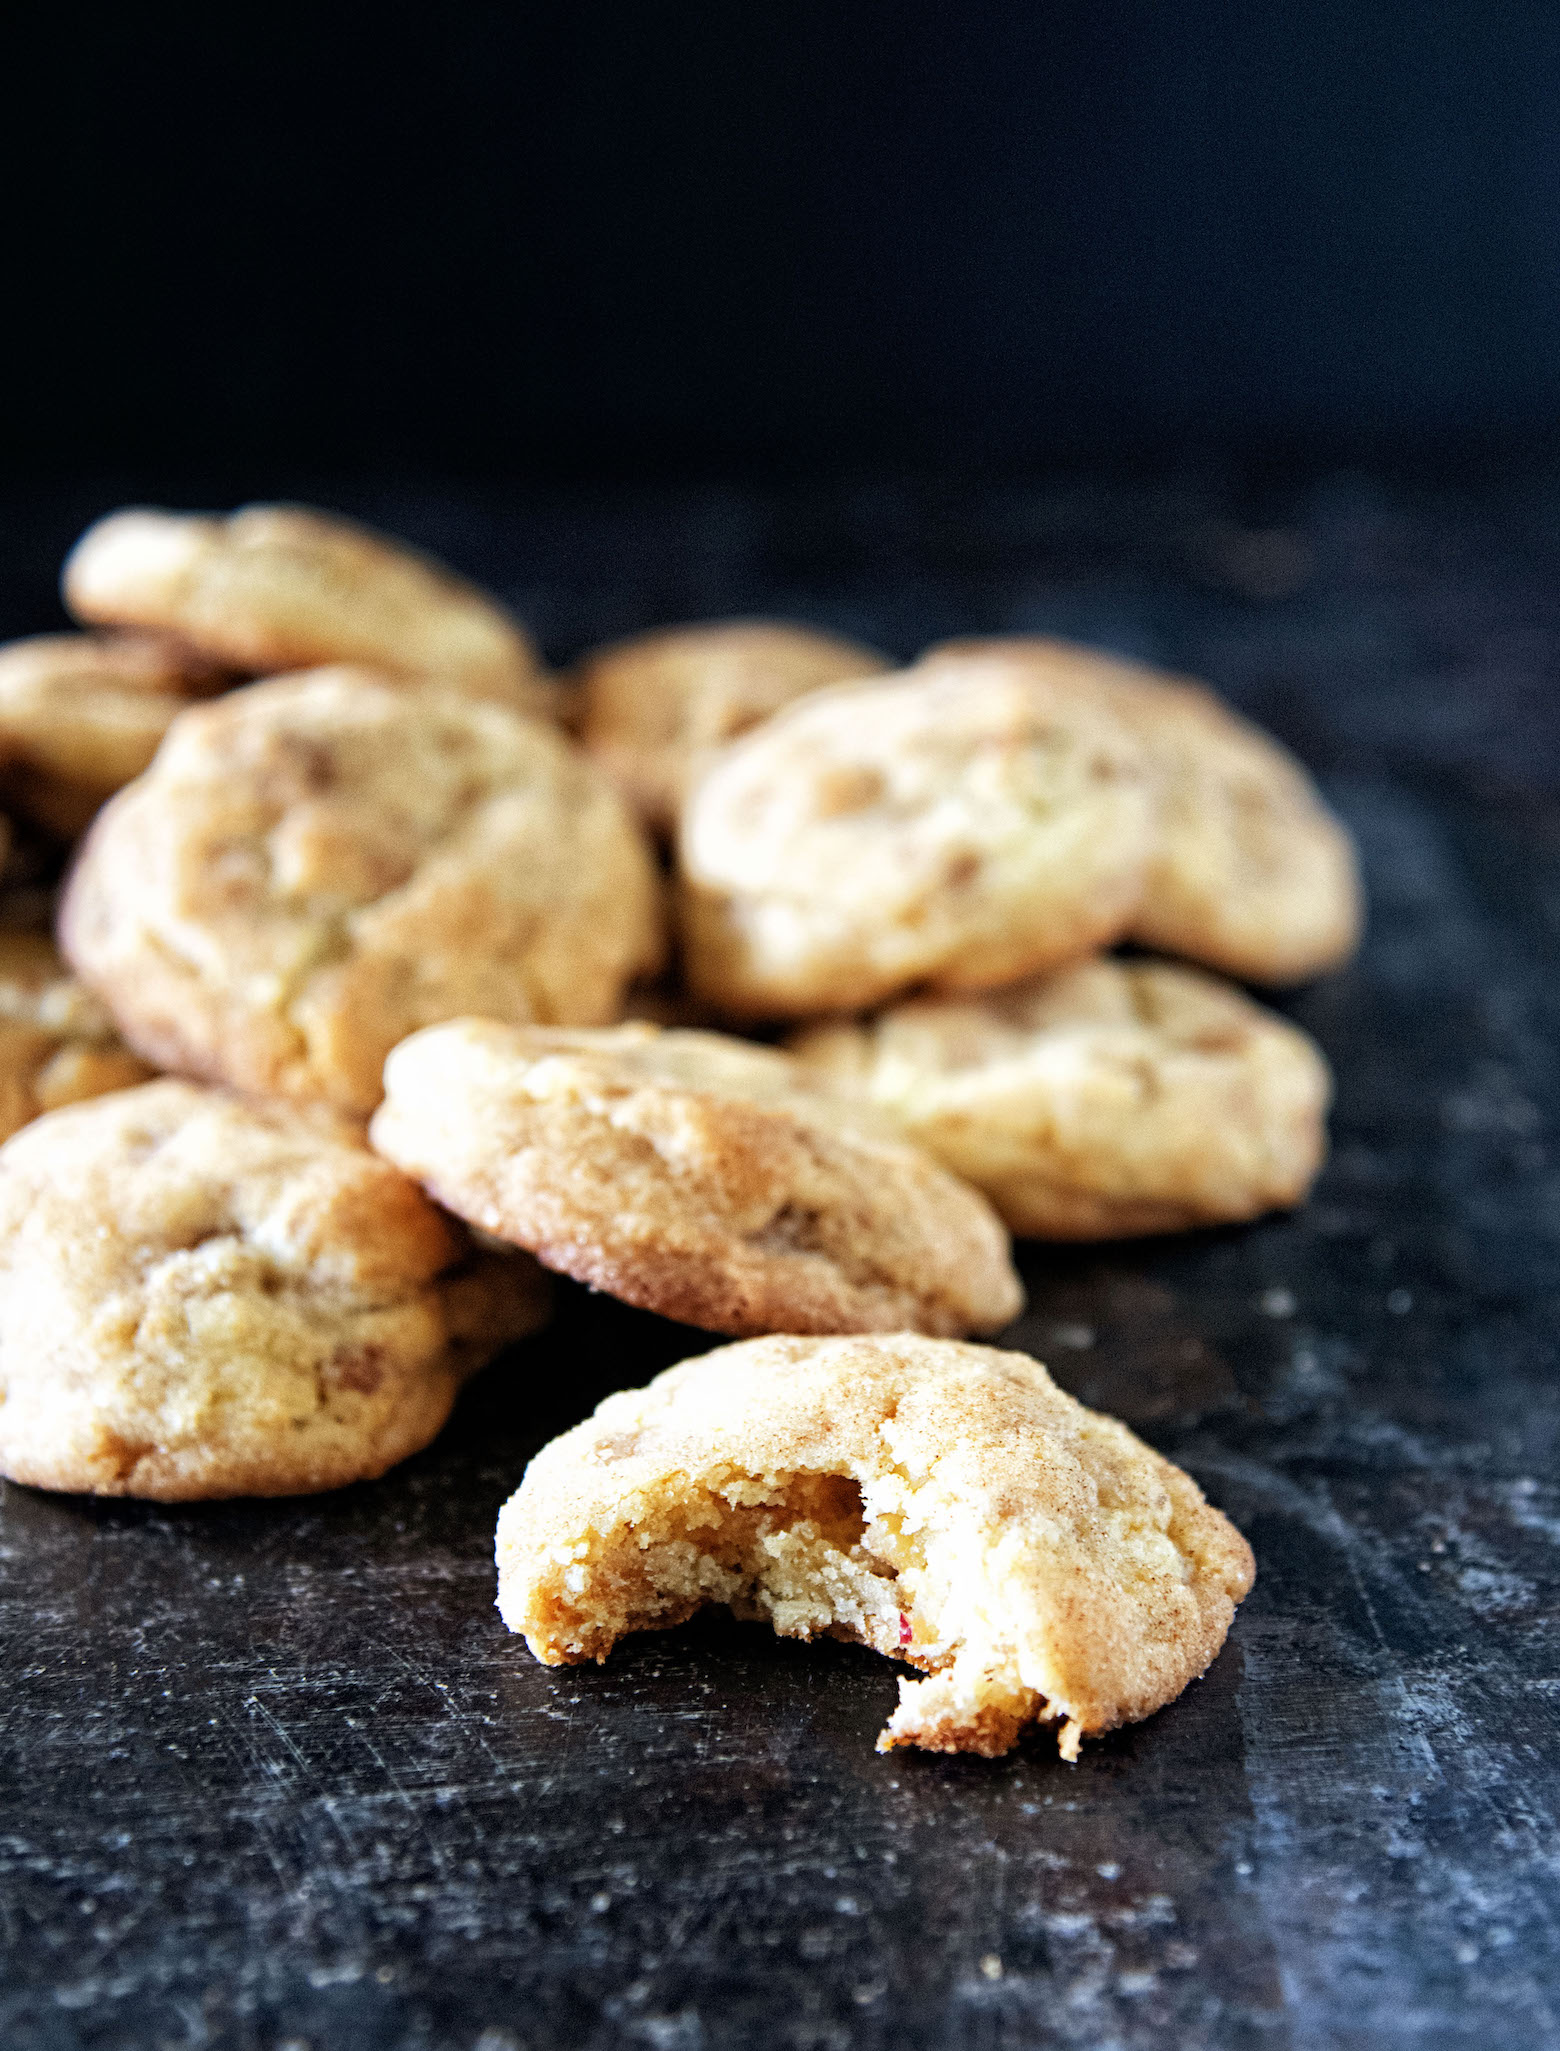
x=943, y=1503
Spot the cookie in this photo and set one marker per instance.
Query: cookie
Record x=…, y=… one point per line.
x=1111, y=1099
x=57, y=1042
x=272, y=588
x=81, y=714
x=945, y=1504
x=317, y=865
x=958, y=832
x=1253, y=874
x=693, y=1175
x=655, y=709
x=205, y=1297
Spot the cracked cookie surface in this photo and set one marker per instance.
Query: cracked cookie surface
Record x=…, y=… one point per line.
x=1115, y=1098
x=317, y=865
x=945, y=1504
x=273, y=588
x=950, y=831
x=693, y=1175
x=658, y=707
x=202, y=1296
x=1251, y=873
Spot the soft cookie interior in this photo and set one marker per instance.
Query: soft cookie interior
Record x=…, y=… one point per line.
x=811, y=1554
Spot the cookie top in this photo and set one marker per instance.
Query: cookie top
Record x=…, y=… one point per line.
x=693, y=1175
x=201, y=1296
x=1252, y=873
x=1114, y=1098
x=955, y=831
x=81, y=714
x=285, y=587
x=57, y=1042
x=316, y=865
x=944, y=1503
x=656, y=707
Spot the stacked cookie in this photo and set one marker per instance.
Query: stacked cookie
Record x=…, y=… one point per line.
x=374, y=897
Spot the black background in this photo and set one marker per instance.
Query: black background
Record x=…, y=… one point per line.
x=615, y=240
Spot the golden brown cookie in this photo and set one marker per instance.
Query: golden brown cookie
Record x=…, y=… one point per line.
x=202, y=1296
x=57, y=1042
x=272, y=588
x=81, y=714
x=1253, y=874
x=655, y=709
x=316, y=865
x=945, y=1504
x=1114, y=1098
x=957, y=831
x=693, y=1175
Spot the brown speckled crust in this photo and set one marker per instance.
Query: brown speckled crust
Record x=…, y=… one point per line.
x=946, y=1504
x=1115, y=1098
x=1253, y=874
x=318, y=864
x=57, y=1042
x=81, y=714
x=696, y=1176
x=656, y=709
x=957, y=832
x=273, y=588
x=204, y=1297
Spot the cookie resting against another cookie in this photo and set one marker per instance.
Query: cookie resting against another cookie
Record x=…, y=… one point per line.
x=57, y=1042
x=945, y=1504
x=1252, y=874
x=655, y=709
x=81, y=714
x=696, y=1176
x=1114, y=1098
x=316, y=865
x=273, y=588
x=953, y=832
x=202, y=1296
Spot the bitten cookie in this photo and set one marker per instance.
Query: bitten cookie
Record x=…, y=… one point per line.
x=693, y=1175
x=945, y=1504
x=57, y=1042
x=205, y=1297
x=949, y=830
x=316, y=865
x=81, y=714
x=1252, y=873
x=1114, y=1098
x=273, y=588
x=658, y=707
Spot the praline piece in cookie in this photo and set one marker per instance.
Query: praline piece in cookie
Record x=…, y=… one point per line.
x=201, y=1297
x=655, y=709
x=57, y=1042
x=693, y=1175
x=1252, y=873
x=950, y=831
x=81, y=714
x=1114, y=1098
x=946, y=1504
x=285, y=587
x=317, y=865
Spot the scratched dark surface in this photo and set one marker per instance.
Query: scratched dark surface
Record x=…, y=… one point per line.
x=275, y=1776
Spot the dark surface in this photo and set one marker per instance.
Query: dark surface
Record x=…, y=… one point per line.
x=276, y=1775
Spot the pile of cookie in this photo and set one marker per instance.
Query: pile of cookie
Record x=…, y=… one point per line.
x=736, y=973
